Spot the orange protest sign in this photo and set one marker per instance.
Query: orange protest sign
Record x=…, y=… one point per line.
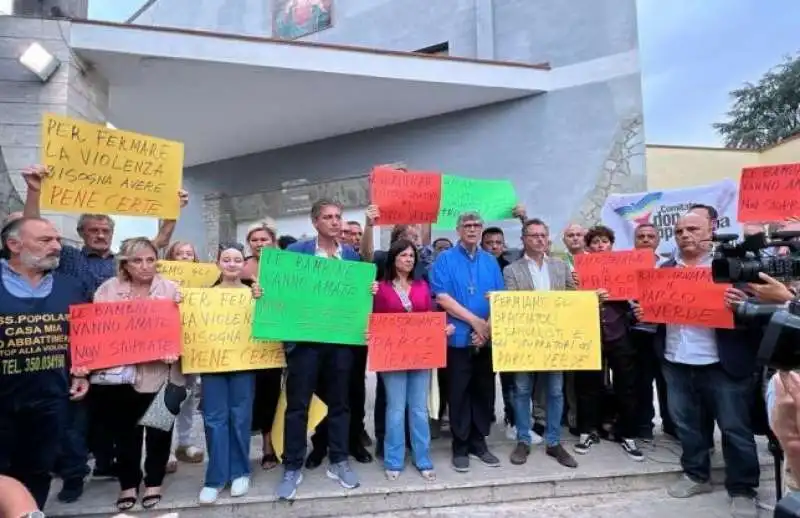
x=406, y=341
x=405, y=197
x=613, y=271
x=110, y=334
x=683, y=296
x=769, y=193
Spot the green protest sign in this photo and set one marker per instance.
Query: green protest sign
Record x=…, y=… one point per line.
x=492, y=199
x=312, y=299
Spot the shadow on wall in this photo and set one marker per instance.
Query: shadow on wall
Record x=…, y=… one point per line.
x=10, y=200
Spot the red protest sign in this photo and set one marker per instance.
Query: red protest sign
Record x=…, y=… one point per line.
x=110, y=334
x=406, y=341
x=769, y=193
x=405, y=197
x=683, y=296
x=613, y=271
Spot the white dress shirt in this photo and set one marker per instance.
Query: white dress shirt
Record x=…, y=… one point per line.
x=540, y=274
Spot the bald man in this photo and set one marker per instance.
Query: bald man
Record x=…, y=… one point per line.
x=573, y=241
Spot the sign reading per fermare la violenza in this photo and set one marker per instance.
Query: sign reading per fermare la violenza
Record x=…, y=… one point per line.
x=98, y=170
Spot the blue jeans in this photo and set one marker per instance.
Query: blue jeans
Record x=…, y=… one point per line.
x=698, y=391
x=407, y=389
x=227, y=407
x=554, y=408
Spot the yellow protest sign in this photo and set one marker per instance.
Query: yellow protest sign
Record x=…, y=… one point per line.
x=188, y=274
x=545, y=331
x=216, y=333
x=317, y=411
x=99, y=170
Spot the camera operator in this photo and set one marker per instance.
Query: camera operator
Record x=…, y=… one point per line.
x=709, y=373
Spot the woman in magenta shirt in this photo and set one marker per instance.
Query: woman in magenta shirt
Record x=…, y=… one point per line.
x=400, y=292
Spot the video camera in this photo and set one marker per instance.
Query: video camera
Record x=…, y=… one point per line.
x=736, y=261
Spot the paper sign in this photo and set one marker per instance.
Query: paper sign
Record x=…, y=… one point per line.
x=111, y=334
x=405, y=197
x=769, y=193
x=188, y=274
x=613, y=271
x=407, y=341
x=216, y=333
x=492, y=199
x=317, y=411
x=32, y=343
x=99, y=170
x=312, y=299
x=683, y=296
x=545, y=331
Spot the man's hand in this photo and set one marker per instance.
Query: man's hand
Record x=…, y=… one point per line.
x=786, y=416
x=33, y=176
x=519, y=212
x=183, y=198
x=734, y=296
x=481, y=329
x=476, y=340
x=575, y=279
x=78, y=389
x=602, y=294
x=773, y=291
x=637, y=310
x=371, y=215
x=256, y=290
x=169, y=360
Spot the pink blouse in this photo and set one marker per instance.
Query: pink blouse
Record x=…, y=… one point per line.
x=388, y=301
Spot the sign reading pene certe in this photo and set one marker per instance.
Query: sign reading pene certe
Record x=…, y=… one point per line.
x=99, y=170
x=217, y=325
x=112, y=334
x=407, y=341
x=545, y=331
x=312, y=299
x=31, y=343
x=188, y=274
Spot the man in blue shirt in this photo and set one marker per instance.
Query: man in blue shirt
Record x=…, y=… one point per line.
x=461, y=280
x=35, y=385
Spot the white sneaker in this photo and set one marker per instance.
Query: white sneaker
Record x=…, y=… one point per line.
x=240, y=486
x=536, y=438
x=208, y=495
x=511, y=432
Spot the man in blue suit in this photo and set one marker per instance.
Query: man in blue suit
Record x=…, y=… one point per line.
x=307, y=363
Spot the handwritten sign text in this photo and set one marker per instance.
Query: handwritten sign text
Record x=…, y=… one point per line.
x=683, y=296
x=407, y=341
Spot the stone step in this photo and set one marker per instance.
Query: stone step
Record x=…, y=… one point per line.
x=606, y=469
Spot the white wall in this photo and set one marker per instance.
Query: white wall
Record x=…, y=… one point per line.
x=129, y=226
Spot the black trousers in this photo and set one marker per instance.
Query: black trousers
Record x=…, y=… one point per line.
x=358, y=392
x=648, y=370
x=99, y=441
x=323, y=369
x=470, y=398
x=442, y=378
x=30, y=432
x=265, y=402
x=122, y=407
x=73, y=454
x=589, y=385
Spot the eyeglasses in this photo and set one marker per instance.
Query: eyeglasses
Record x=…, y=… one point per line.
x=231, y=246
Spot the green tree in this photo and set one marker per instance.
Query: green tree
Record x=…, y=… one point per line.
x=766, y=113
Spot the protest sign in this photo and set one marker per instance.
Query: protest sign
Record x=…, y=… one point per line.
x=407, y=341
x=312, y=299
x=613, y=271
x=492, y=199
x=32, y=343
x=545, y=331
x=98, y=170
x=111, y=334
x=216, y=326
x=683, y=296
x=405, y=197
x=769, y=193
x=622, y=213
x=188, y=274
x=317, y=410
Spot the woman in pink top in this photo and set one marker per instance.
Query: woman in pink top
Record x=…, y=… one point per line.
x=399, y=292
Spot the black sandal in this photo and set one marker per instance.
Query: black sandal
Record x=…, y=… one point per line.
x=269, y=458
x=150, y=501
x=126, y=503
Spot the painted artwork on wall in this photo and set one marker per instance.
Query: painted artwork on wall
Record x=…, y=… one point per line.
x=292, y=19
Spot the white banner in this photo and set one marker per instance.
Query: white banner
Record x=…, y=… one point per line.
x=623, y=212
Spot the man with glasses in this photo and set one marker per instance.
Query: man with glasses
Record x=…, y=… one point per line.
x=461, y=279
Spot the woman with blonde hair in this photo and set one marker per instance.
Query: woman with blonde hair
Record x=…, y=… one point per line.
x=185, y=451
x=124, y=393
x=261, y=234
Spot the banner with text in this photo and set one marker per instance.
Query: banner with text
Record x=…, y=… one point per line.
x=624, y=212
x=405, y=197
x=769, y=193
x=217, y=324
x=407, y=341
x=99, y=170
x=494, y=200
x=111, y=334
x=312, y=299
x=613, y=271
x=683, y=296
x=33, y=342
x=188, y=274
x=545, y=331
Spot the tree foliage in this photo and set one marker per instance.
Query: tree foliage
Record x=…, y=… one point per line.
x=766, y=113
